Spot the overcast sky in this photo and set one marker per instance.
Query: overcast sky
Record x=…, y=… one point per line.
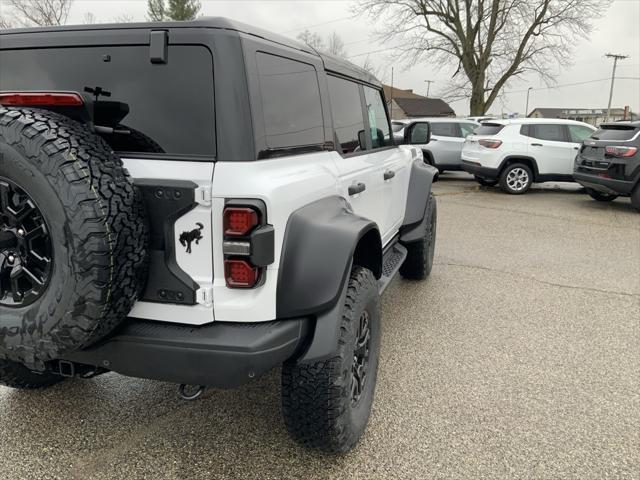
x=618, y=31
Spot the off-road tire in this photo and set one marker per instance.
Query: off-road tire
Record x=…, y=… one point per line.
x=316, y=397
x=15, y=375
x=486, y=182
x=504, y=185
x=420, y=254
x=98, y=229
x=635, y=197
x=599, y=196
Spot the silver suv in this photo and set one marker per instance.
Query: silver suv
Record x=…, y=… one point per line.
x=447, y=139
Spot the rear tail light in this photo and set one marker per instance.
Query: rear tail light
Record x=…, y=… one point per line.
x=240, y=274
x=490, y=143
x=40, y=99
x=621, y=152
x=239, y=221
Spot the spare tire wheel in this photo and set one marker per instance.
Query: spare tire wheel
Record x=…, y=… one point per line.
x=73, y=237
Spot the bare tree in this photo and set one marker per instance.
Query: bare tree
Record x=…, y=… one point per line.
x=335, y=45
x=370, y=67
x=488, y=42
x=89, y=19
x=39, y=12
x=156, y=10
x=312, y=39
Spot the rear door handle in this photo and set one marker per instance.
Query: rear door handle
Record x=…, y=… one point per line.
x=536, y=145
x=389, y=174
x=357, y=188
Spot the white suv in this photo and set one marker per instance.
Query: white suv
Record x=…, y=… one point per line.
x=516, y=153
x=447, y=139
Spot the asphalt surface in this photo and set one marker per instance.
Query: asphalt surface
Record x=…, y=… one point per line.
x=518, y=358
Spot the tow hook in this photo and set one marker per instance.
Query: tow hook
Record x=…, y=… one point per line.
x=190, y=392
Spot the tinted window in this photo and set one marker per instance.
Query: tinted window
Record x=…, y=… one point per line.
x=157, y=107
x=620, y=133
x=346, y=108
x=467, y=129
x=488, y=129
x=579, y=133
x=549, y=132
x=290, y=102
x=378, y=120
x=444, y=129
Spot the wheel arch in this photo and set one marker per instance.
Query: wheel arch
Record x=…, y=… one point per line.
x=322, y=241
x=525, y=159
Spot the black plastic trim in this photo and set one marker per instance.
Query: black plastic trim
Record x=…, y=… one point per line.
x=221, y=355
x=319, y=244
x=166, y=201
x=420, y=183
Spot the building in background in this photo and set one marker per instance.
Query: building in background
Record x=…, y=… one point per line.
x=593, y=116
x=406, y=104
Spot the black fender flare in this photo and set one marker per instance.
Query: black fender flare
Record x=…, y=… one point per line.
x=414, y=224
x=318, y=249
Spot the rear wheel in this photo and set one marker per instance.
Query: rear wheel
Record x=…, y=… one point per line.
x=15, y=375
x=326, y=404
x=486, y=182
x=516, y=179
x=601, y=197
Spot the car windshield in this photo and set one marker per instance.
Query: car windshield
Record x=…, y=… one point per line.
x=616, y=132
x=488, y=129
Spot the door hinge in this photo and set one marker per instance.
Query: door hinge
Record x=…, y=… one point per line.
x=204, y=195
x=204, y=296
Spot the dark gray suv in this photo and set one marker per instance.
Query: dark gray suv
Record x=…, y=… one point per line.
x=608, y=164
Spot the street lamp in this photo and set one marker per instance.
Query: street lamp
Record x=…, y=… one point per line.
x=526, y=110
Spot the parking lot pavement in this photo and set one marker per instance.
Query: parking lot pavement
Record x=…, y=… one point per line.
x=518, y=358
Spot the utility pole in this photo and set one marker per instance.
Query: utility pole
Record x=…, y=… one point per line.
x=526, y=110
x=615, y=57
x=428, y=82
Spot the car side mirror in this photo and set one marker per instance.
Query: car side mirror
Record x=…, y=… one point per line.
x=417, y=133
x=362, y=140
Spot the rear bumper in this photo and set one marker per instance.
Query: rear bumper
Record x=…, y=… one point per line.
x=604, y=185
x=479, y=170
x=221, y=355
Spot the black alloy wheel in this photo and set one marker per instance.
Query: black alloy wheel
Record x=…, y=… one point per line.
x=26, y=251
x=360, y=367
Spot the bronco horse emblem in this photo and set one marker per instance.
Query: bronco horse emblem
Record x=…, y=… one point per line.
x=195, y=235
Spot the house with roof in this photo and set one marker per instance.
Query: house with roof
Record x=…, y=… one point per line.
x=593, y=116
x=406, y=104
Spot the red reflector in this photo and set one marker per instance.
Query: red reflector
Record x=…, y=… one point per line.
x=41, y=99
x=240, y=274
x=239, y=221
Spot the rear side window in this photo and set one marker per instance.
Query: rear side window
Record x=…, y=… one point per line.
x=467, y=129
x=488, y=129
x=578, y=133
x=346, y=108
x=290, y=102
x=616, y=133
x=378, y=119
x=550, y=132
x=157, y=107
x=444, y=129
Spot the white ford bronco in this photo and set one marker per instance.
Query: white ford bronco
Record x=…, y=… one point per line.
x=199, y=203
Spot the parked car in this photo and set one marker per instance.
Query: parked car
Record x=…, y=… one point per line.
x=608, y=164
x=447, y=138
x=198, y=218
x=515, y=153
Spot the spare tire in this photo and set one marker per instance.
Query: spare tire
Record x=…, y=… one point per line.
x=73, y=237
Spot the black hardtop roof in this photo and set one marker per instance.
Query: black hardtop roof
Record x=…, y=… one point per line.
x=332, y=63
